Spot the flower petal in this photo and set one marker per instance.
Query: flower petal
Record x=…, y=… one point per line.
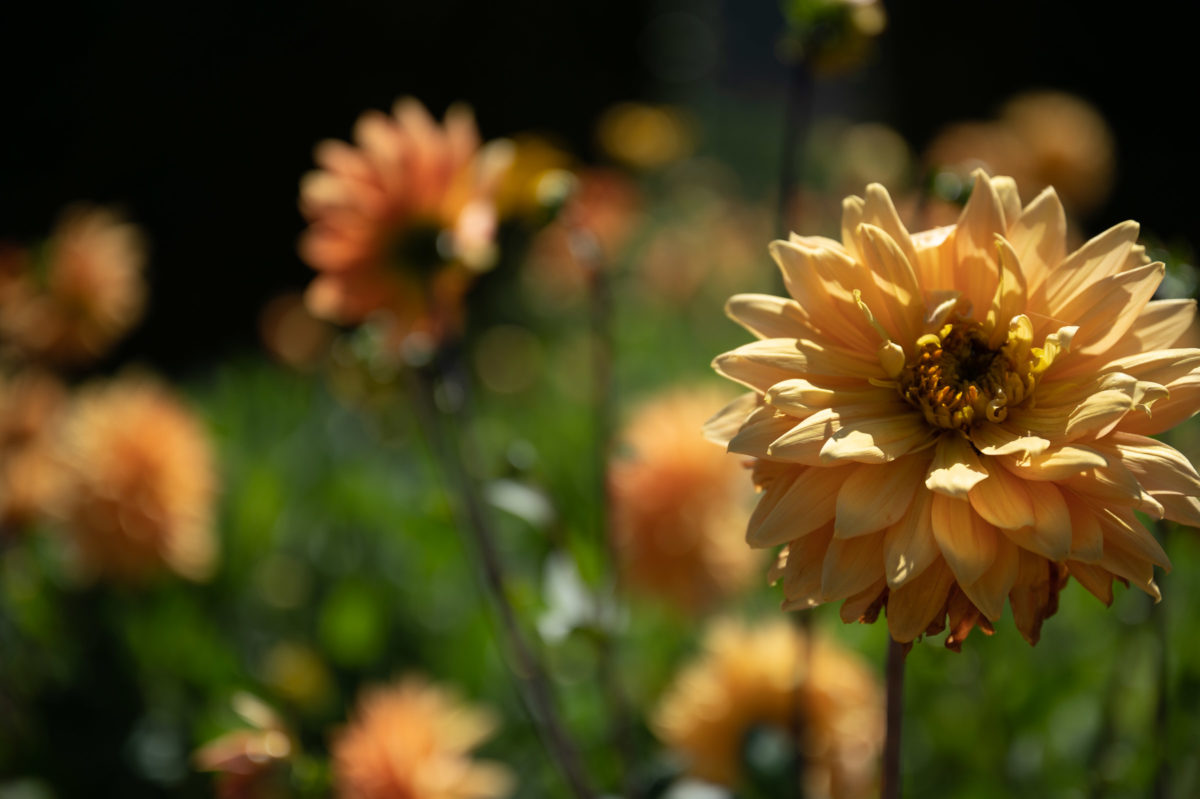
x=955, y=469
x=912, y=607
x=768, y=316
x=1106, y=309
x=851, y=565
x=908, y=545
x=1002, y=499
x=967, y=542
x=1034, y=594
x=725, y=423
x=1039, y=237
x=1113, y=251
x=802, y=571
x=878, y=440
x=1050, y=533
x=875, y=496
x=991, y=589
x=807, y=503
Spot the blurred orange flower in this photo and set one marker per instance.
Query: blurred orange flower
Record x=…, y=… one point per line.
x=590, y=231
x=30, y=405
x=402, y=220
x=678, y=505
x=139, y=488
x=413, y=739
x=954, y=420
x=76, y=297
x=773, y=677
x=247, y=760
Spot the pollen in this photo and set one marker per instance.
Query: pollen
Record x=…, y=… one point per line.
x=957, y=380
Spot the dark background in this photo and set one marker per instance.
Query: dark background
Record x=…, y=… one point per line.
x=199, y=118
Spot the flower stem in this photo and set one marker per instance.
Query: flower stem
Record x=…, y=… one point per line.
x=590, y=257
x=1162, y=718
x=530, y=674
x=895, y=718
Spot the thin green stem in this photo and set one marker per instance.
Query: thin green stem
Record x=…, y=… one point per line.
x=526, y=667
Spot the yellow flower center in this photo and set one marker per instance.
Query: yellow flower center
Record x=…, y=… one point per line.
x=957, y=379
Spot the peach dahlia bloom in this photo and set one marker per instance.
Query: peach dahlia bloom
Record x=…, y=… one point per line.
x=413, y=739
x=86, y=294
x=949, y=420
x=678, y=504
x=140, y=484
x=773, y=676
x=402, y=219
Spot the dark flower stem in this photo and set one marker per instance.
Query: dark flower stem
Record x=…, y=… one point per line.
x=590, y=257
x=526, y=667
x=1162, y=718
x=895, y=719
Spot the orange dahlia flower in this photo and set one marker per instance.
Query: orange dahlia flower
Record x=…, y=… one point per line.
x=677, y=504
x=401, y=220
x=30, y=405
x=413, y=739
x=821, y=697
x=950, y=419
x=140, y=482
x=87, y=292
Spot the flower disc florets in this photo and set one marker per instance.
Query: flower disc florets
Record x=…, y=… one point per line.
x=954, y=420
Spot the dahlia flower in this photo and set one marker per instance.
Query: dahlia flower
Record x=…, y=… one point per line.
x=79, y=295
x=775, y=677
x=676, y=499
x=413, y=739
x=949, y=420
x=140, y=485
x=30, y=405
x=401, y=220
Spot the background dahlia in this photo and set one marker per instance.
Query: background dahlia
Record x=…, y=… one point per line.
x=70, y=301
x=949, y=420
x=677, y=505
x=140, y=484
x=402, y=219
x=414, y=739
x=820, y=697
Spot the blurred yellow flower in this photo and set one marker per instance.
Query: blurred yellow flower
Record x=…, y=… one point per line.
x=30, y=405
x=403, y=219
x=69, y=302
x=414, y=739
x=774, y=677
x=139, y=488
x=645, y=136
x=951, y=419
x=677, y=505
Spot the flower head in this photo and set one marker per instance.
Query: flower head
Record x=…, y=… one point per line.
x=677, y=505
x=401, y=220
x=79, y=294
x=413, y=739
x=949, y=420
x=30, y=405
x=248, y=761
x=821, y=697
x=140, y=482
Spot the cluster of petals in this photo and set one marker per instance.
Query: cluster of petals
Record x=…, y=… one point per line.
x=31, y=403
x=139, y=483
x=414, y=739
x=400, y=220
x=954, y=420
x=71, y=301
x=774, y=677
x=678, y=503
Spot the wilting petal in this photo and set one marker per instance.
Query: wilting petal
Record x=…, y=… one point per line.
x=913, y=606
x=1094, y=578
x=1034, y=594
